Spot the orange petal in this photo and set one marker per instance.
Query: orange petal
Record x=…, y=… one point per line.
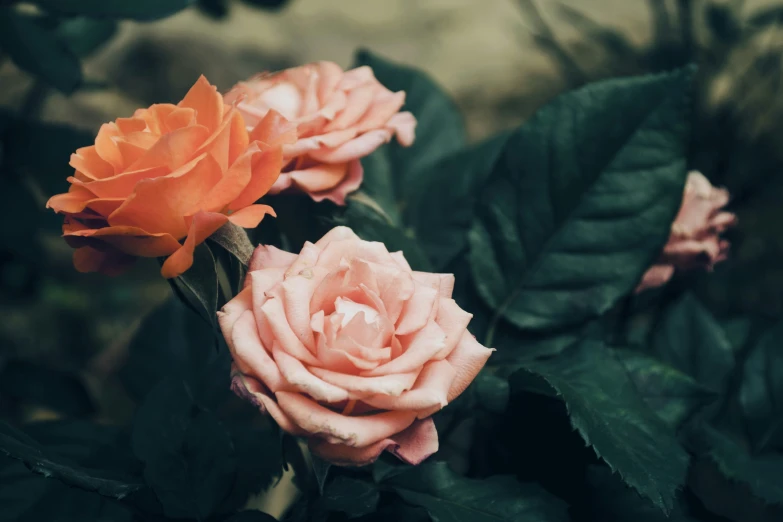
x=250, y=217
x=87, y=161
x=173, y=149
x=207, y=102
x=203, y=225
x=109, y=261
x=264, y=169
x=274, y=130
x=131, y=240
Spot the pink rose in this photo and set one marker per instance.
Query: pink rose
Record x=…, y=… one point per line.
x=344, y=344
x=695, y=240
x=340, y=117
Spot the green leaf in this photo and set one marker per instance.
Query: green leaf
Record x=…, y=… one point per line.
x=350, y=496
x=189, y=459
x=84, y=36
x=142, y=10
x=692, y=341
x=198, y=286
x=670, y=393
x=581, y=200
x=234, y=240
x=259, y=463
x=363, y=217
x=760, y=392
x=391, y=170
x=60, y=391
x=451, y=498
x=609, y=414
x=37, y=50
x=613, y=501
x=272, y=5
x=18, y=445
x=173, y=341
x=441, y=222
x=762, y=473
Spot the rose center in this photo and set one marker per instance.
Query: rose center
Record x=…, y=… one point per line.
x=285, y=99
x=350, y=308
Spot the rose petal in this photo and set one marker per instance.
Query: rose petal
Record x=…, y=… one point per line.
x=428, y=395
x=468, y=358
x=337, y=428
x=454, y=321
x=412, y=445
x=416, y=310
x=252, y=357
x=268, y=256
x=203, y=225
x=232, y=310
x=251, y=390
x=421, y=347
x=392, y=385
x=358, y=147
x=304, y=381
x=272, y=310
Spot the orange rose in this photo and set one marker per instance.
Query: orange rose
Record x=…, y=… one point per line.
x=170, y=172
x=346, y=345
x=340, y=117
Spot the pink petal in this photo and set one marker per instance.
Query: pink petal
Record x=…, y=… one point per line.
x=336, y=428
x=296, y=292
x=393, y=385
x=422, y=346
x=268, y=256
x=428, y=395
x=657, y=275
x=275, y=316
x=416, y=310
x=336, y=234
x=319, y=178
x=356, y=105
x=454, y=321
x=232, y=310
x=399, y=258
x=350, y=183
x=358, y=147
x=444, y=283
x=404, y=126
x=251, y=390
x=298, y=376
x=468, y=358
x=251, y=356
x=412, y=445
x=306, y=259
x=382, y=110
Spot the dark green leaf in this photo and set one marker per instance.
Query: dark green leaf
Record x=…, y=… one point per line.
x=451, y=498
x=491, y=392
x=441, y=222
x=234, y=240
x=763, y=473
x=38, y=50
x=364, y=218
x=35, y=383
x=613, y=501
x=189, y=459
x=581, y=201
x=610, y=415
x=198, y=286
x=391, y=170
x=143, y=10
x=173, y=341
x=217, y=9
x=271, y=5
x=86, y=35
x=350, y=496
x=259, y=463
x=670, y=393
x=761, y=392
x=17, y=445
x=692, y=341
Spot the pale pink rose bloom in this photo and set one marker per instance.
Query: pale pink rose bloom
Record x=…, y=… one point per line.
x=340, y=117
x=695, y=240
x=347, y=346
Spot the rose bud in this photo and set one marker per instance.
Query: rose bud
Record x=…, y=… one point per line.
x=347, y=346
x=160, y=182
x=694, y=241
x=340, y=117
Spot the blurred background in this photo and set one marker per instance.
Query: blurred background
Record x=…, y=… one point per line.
x=500, y=59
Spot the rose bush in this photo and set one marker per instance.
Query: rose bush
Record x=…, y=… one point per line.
x=168, y=173
x=695, y=240
x=340, y=117
x=344, y=344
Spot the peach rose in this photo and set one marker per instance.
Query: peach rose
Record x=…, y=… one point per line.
x=344, y=344
x=695, y=240
x=340, y=117
x=170, y=172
